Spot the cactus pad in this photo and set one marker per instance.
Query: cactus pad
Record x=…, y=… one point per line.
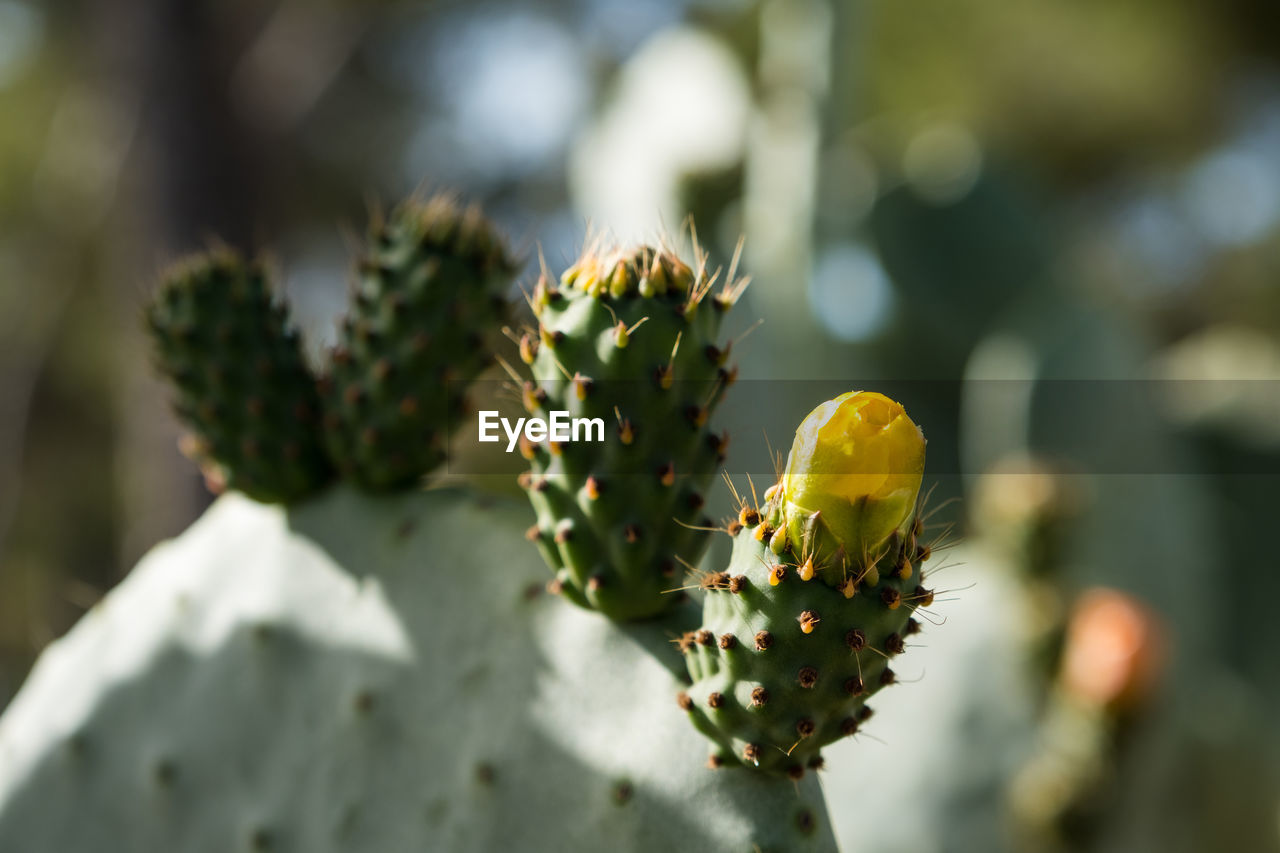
x=431, y=284
x=783, y=666
x=379, y=675
x=242, y=385
x=629, y=338
x=802, y=627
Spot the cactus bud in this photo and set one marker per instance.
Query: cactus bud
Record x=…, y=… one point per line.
x=855, y=468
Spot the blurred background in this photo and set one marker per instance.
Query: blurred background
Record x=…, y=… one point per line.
x=1052, y=227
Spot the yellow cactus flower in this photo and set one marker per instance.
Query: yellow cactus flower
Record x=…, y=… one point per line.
x=858, y=461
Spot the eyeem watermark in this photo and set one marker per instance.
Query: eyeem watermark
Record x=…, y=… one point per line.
x=559, y=427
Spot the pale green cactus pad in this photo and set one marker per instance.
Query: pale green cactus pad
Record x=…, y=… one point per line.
x=372, y=674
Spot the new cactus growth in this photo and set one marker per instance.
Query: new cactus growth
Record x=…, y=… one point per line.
x=630, y=338
x=800, y=629
x=243, y=388
x=432, y=282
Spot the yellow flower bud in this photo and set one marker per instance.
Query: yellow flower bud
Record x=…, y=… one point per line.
x=857, y=461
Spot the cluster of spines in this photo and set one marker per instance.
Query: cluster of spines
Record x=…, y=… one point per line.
x=432, y=281
x=778, y=667
x=622, y=338
x=243, y=386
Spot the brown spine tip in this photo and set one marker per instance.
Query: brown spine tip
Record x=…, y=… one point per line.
x=728, y=641
x=807, y=677
x=631, y=533
x=626, y=431
x=528, y=348
x=555, y=587
x=891, y=597
x=854, y=686
x=714, y=762
x=817, y=762
x=893, y=644
x=683, y=700
x=923, y=553
x=715, y=581
x=737, y=583
x=525, y=480
x=913, y=627
x=923, y=597
x=541, y=484
x=748, y=517
x=904, y=568
x=715, y=700
x=549, y=338
x=887, y=677
x=795, y=772
x=808, y=621
x=733, y=528
x=705, y=637
x=759, y=696
x=805, y=727
x=696, y=415
x=848, y=726
x=695, y=501
x=855, y=639
x=533, y=534
x=667, y=474
x=865, y=713
x=564, y=532
x=595, y=582
x=763, y=640
x=592, y=488
x=751, y=753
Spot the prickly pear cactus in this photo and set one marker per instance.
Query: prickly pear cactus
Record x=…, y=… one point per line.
x=242, y=385
x=432, y=284
x=631, y=339
x=800, y=629
x=375, y=674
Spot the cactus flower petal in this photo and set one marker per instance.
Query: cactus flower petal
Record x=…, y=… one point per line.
x=858, y=461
